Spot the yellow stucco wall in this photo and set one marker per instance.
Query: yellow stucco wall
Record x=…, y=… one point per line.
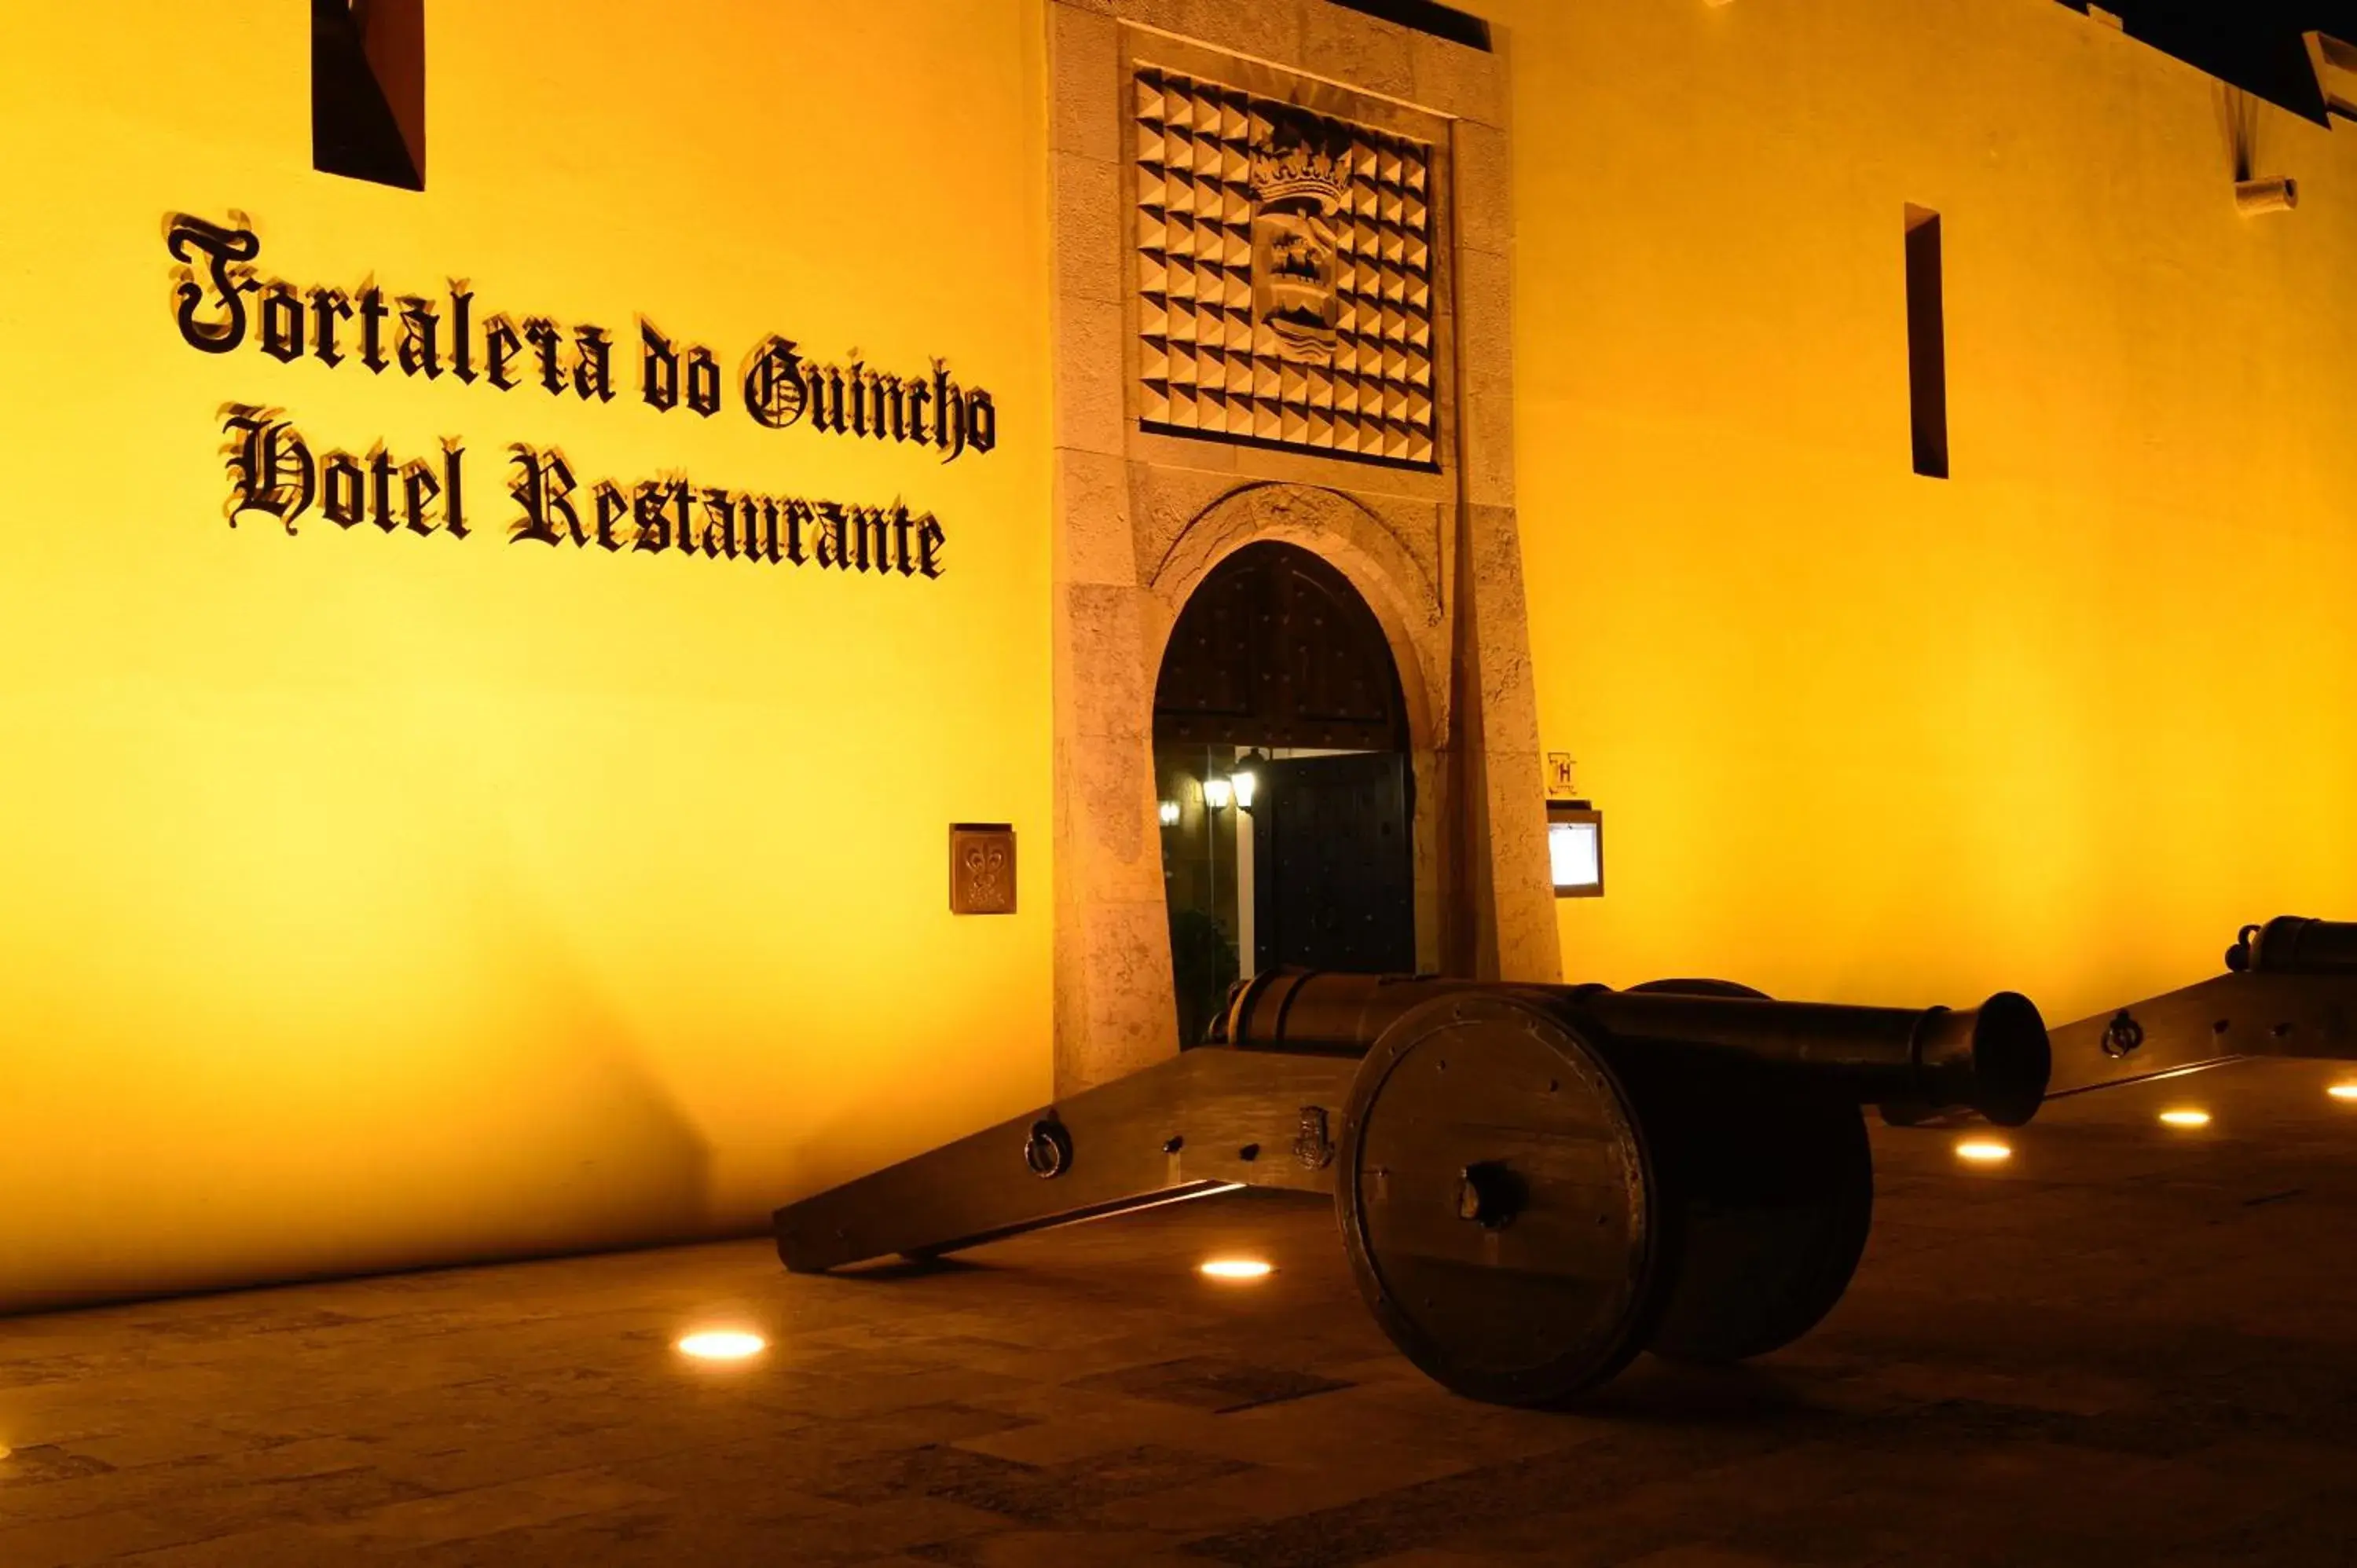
x=372, y=899
x=2062, y=722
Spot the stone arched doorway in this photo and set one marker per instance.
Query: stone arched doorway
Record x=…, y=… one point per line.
x=1283, y=772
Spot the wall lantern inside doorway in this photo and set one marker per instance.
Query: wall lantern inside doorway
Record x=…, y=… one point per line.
x=1217, y=793
x=1245, y=784
x=1576, y=849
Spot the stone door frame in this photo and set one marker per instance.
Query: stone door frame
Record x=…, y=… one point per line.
x=1141, y=517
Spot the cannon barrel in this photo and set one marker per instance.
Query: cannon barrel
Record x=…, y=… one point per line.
x=2295, y=944
x=1994, y=1058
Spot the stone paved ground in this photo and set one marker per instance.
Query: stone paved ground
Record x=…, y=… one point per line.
x=2131, y=1345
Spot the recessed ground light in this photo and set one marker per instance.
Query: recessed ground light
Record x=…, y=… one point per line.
x=2343, y=1091
x=1984, y=1151
x=1236, y=1269
x=723, y=1345
x=2188, y=1118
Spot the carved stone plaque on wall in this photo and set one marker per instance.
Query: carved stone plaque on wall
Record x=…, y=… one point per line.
x=1284, y=275
x=982, y=868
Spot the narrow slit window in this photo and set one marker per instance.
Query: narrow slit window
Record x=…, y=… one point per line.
x=367, y=90
x=1927, y=343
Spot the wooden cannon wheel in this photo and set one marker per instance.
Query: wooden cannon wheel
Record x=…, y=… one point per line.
x=1770, y=1189
x=1526, y=1204
x=1498, y=1201
x=1773, y=1194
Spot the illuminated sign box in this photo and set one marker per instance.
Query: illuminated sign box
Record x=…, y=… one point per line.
x=1576, y=849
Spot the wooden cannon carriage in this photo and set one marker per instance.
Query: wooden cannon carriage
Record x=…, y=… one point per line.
x=1534, y=1183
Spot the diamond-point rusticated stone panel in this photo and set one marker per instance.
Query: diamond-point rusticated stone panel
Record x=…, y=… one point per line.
x=1284, y=275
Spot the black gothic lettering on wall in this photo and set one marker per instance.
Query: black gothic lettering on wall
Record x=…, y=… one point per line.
x=542, y=489
x=211, y=312
x=702, y=382
x=282, y=322
x=420, y=338
x=270, y=468
x=330, y=310
x=421, y=490
x=593, y=364
x=983, y=415
x=548, y=348
x=654, y=519
x=274, y=469
x=343, y=490
x=781, y=388
x=677, y=514
x=658, y=368
x=501, y=344
x=799, y=518
x=373, y=319
x=774, y=392
x=462, y=344
x=219, y=301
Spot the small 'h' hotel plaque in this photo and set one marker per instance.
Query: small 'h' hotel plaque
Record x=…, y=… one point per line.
x=1284, y=275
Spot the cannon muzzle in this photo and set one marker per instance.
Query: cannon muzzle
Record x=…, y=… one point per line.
x=1993, y=1058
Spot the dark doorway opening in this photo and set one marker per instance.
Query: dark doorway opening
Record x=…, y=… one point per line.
x=1286, y=797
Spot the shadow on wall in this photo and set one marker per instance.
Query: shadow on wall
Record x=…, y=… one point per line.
x=565, y=1140
x=512, y=1116
x=612, y=1160
x=2238, y=128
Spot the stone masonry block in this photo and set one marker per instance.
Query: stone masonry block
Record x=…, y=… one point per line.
x=1485, y=196
x=1360, y=49
x=1090, y=249
x=1096, y=545
x=1089, y=373
x=1084, y=68
x=1103, y=689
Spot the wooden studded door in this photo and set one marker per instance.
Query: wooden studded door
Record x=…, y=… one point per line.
x=1336, y=883
x=1277, y=648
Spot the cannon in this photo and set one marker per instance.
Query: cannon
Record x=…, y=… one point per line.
x=2289, y=990
x=1535, y=1183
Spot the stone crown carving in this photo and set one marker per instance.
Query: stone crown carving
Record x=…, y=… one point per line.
x=1300, y=167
